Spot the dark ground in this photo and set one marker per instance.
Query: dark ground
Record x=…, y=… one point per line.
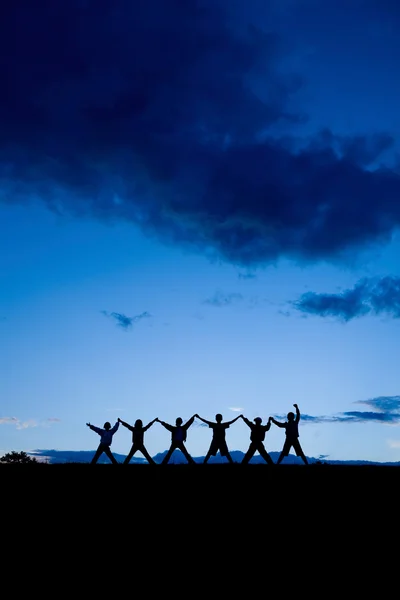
x=321, y=518
x=161, y=484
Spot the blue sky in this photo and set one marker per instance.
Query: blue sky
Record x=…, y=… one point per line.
x=199, y=213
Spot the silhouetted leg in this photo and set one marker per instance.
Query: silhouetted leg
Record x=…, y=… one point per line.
x=168, y=455
x=248, y=455
x=229, y=457
x=207, y=456
x=187, y=455
x=128, y=458
x=111, y=455
x=265, y=455
x=303, y=457
x=147, y=455
x=285, y=451
x=280, y=458
x=97, y=455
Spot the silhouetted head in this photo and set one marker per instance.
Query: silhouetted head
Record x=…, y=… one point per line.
x=218, y=418
x=107, y=425
x=258, y=420
x=138, y=423
x=178, y=421
x=290, y=416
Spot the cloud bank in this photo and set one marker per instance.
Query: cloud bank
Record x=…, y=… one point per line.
x=370, y=296
x=161, y=114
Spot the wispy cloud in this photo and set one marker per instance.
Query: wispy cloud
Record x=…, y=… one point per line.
x=126, y=322
x=220, y=299
x=384, y=409
x=29, y=423
x=235, y=409
x=394, y=444
x=373, y=296
x=8, y=420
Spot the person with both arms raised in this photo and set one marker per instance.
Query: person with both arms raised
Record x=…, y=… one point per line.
x=218, y=441
x=106, y=436
x=138, y=439
x=257, y=437
x=178, y=438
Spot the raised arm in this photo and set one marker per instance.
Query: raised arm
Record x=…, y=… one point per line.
x=297, y=413
x=94, y=428
x=204, y=420
x=164, y=424
x=189, y=422
x=277, y=422
x=125, y=424
x=268, y=425
x=114, y=429
x=150, y=424
x=246, y=420
x=233, y=420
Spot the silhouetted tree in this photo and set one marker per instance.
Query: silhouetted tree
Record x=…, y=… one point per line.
x=21, y=458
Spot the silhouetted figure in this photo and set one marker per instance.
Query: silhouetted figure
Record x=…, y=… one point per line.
x=138, y=439
x=178, y=438
x=106, y=436
x=218, y=442
x=257, y=437
x=292, y=436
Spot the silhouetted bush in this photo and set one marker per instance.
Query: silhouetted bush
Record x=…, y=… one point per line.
x=21, y=458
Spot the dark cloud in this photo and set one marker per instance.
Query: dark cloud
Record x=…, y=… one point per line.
x=222, y=299
x=385, y=409
x=152, y=112
x=375, y=296
x=385, y=404
x=126, y=322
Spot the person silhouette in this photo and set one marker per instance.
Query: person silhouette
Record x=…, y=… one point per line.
x=291, y=427
x=218, y=442
x=138, y=439
x=257, y=437
x=106, y=436
x=178, y=439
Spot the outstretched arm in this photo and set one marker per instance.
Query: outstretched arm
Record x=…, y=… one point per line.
x=268, y=425
x=297, y=413
x=164, y=424
x=204, y=420
x=277, y=422
x=246, y=420
x=233, y=420
x=114, y=429
x=125, y=424
x=150, y=424
x=94, y=428
x=189, y=422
